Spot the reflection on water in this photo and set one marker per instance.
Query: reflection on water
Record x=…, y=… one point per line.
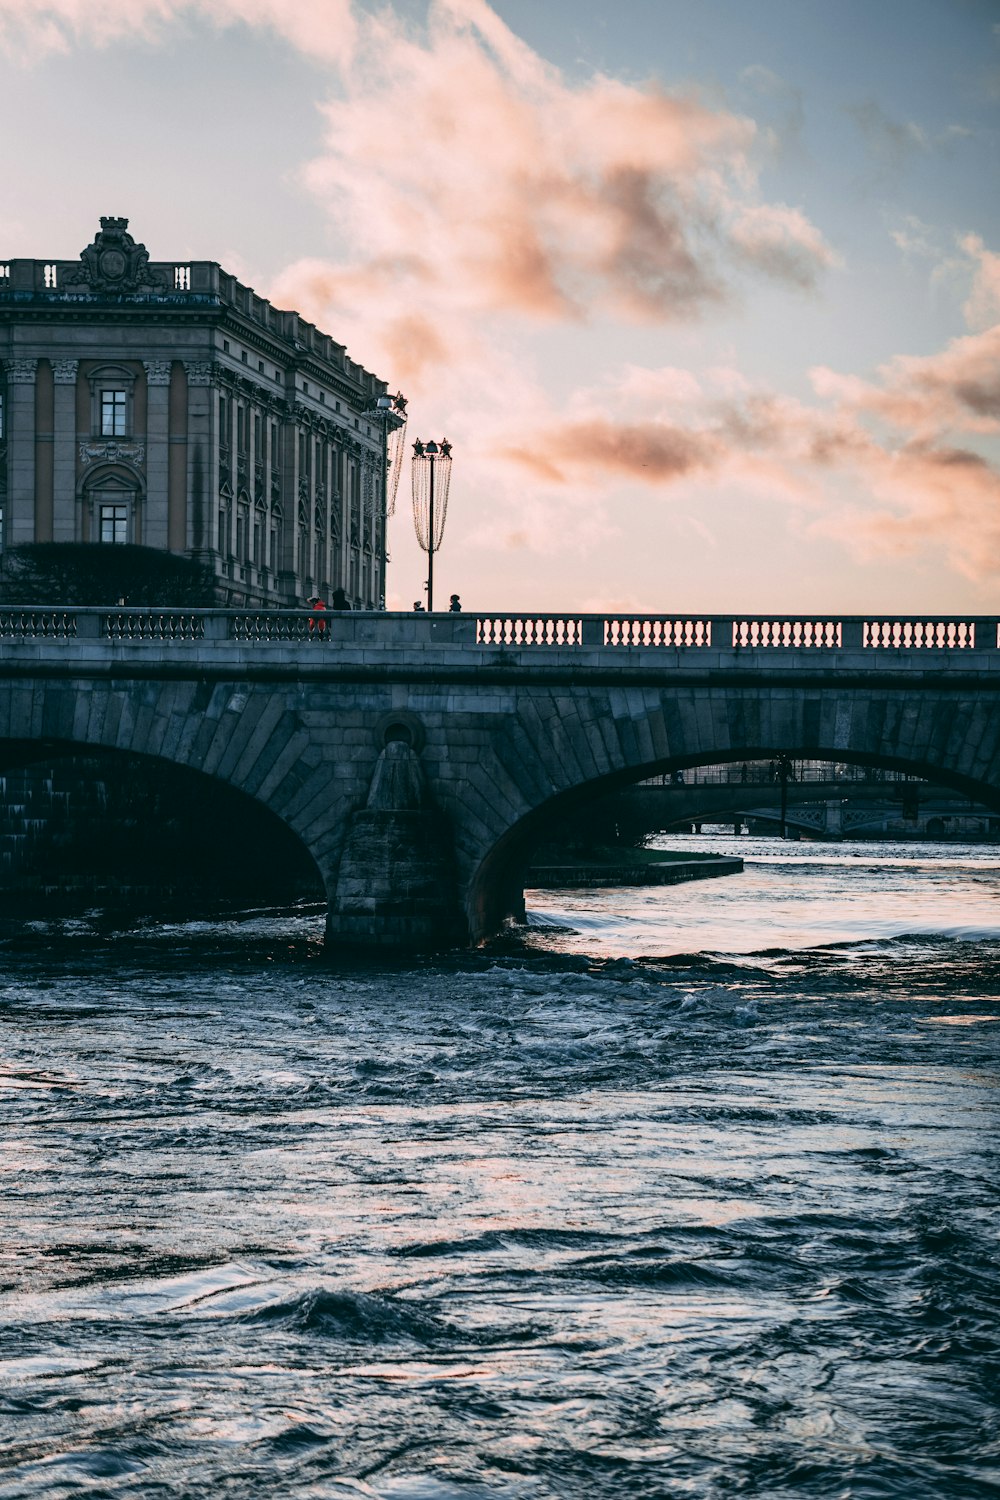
x=790, y=895
x=697, y=1198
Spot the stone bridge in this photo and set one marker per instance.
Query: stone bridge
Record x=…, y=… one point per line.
x=419, y=758
x=819, y=804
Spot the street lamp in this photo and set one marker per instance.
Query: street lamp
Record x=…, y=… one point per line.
x=431, y=471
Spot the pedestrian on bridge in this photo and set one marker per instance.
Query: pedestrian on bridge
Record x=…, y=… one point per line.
x=317, y=623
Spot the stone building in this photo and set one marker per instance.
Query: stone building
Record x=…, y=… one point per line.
x=166, y=404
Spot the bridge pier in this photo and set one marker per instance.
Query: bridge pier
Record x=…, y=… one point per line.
x=396, y=885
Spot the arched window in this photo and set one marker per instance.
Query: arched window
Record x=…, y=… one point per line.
x=113, y=511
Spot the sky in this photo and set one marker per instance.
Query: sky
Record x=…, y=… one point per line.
x=705, y=294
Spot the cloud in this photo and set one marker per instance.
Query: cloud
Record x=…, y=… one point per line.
x=905, y=441
x=787, y=109
x=465, y=174
x=957, y=389
x=892, y=144
x=652, y=451
x=983, y=306
x=31, y=28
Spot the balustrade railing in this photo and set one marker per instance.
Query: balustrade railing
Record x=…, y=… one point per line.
x=37, y=624
x=733, y=636
x=277, y=626
x=529, y=630
x=935, y=635
x=151, y=625
x=656, y=630
x=794, y=634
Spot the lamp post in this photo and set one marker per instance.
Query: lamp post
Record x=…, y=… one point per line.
x=431, y=471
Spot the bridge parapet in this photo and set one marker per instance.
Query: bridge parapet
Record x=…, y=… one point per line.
x=686, y=634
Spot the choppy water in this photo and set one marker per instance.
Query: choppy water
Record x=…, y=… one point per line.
x=698, y=1198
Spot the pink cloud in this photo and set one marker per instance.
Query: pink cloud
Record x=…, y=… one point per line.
x=462, y=168
x=904, y=441
x=957, y=389
x=983, y=306
x=31, y=28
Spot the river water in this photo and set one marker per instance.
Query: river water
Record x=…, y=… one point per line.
x=684, y=1191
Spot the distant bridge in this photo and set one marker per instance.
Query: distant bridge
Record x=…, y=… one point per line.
x=419, y=758
x=831, y=807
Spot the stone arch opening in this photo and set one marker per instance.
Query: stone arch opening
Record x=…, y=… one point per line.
x=496, y=889
x=84, y=826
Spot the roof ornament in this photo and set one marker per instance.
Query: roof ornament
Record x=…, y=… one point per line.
x=115, y=264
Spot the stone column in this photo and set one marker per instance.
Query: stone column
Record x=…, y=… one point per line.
x=338, y=490
x=202, y=456
x=21, y=450
x=44, y=437
x=64, y=449
x=177, y=486
x=288, y=562
x=154, y=528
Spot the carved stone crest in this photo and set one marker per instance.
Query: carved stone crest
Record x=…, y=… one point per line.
x=114, y=263
x=112, y=453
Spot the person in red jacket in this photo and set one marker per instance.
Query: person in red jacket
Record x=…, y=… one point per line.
x=317, y=624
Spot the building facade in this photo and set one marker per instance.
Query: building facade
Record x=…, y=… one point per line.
x=166, y=404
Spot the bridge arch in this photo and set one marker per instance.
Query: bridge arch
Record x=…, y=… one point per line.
x=87, y=823
x=255, y=738
x=952, y=744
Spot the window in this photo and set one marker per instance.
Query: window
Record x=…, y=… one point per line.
x=114, y=523
x=113, y=413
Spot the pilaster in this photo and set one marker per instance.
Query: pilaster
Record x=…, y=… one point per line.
x=64, y=373
x=177, y=489
x=202, y=454
x=154, y=529
x=44, y=441
x=21, y=375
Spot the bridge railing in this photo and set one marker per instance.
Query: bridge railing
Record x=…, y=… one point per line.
x=766, y=773
x=511, y=630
